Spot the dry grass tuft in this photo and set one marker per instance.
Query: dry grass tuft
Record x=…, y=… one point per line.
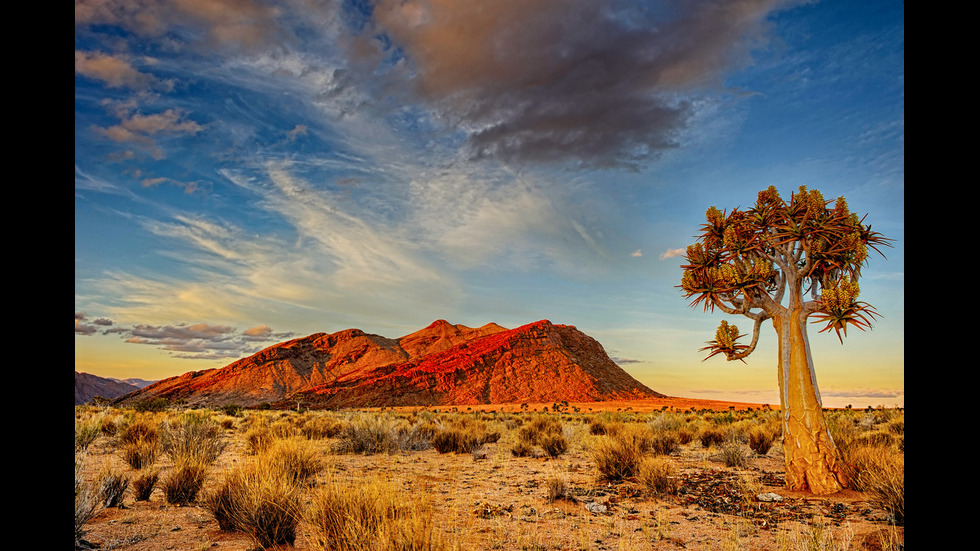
x=144, y=482
x=370, y=516
x=261, y=500
x=185, y=482
x=618, y=457
x=658, y=474
x=112, y=487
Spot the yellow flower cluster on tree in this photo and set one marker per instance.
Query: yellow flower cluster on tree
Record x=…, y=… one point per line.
x=725, y=342
x=725, y=335
x=840, y=297
x=812, y=202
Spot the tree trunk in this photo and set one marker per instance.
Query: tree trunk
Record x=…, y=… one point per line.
x=812, y=460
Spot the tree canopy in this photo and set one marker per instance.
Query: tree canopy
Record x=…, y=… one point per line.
x=765, y=261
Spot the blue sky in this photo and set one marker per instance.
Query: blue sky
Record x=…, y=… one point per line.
x=248, y=172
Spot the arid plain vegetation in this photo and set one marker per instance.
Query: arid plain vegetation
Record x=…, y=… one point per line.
x=537, y=477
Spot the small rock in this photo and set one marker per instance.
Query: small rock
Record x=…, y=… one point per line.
x=769, y=496
x=554, y=514
x=596, y=507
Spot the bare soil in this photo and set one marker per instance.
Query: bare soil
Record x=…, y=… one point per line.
x=493, y=500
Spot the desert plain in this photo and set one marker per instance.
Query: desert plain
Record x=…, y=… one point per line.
x=715, y=494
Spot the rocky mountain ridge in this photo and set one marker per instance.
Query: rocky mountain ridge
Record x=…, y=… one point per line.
x=442, y=364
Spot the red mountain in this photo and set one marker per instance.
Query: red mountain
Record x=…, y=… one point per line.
x=443, y=364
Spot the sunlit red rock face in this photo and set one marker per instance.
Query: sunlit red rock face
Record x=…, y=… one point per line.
x=443, y=364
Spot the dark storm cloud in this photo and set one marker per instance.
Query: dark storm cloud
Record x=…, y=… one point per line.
x=605, y=83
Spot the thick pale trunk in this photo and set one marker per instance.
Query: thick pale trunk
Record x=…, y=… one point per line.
x=812, y=460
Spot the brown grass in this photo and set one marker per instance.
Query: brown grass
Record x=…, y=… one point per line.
x=612, y=490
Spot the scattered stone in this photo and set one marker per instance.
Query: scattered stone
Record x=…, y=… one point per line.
x=490, y=510
x=596, y=507
x=769, y=497
x=554, y=514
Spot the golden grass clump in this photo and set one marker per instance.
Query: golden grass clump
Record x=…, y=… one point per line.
x=658, y=474
x=369, y=434
x=761, y=438
x=258, y=439
x=185, y=481
x=259, y=499
x=144, y=482
x=370, y=516
x=544, y=432
x=320, y=426
x=141, y=453
x=619, y=457
x=193, y=438
x=294, y=459
x=86, y=431
x=463, y=434
x=880, y=471
x=142, y=428
x=711, y=436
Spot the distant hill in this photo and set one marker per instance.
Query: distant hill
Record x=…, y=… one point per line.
x=88, y=386
x=442, y=364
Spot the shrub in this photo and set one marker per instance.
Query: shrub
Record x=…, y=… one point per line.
x=293, y=459
x=184, y=482
x=259, y=502
x=373, y=433
x=543, y=431
x=664, y=443
x=350, y=516
x=711, y=437
x=553, y=443
x=618, y=457
x=194, y=438
x=231, y=410
x=685, y=435
x=86, y=432
x=664, y=422
x=139, y=431
x=455, y=440
x=108, y=426
x=318, y=427
x=597, y=427
x=881, y=473
x=112, y=488
x=522, y=449
x=557, y=488
x=733, y=454
x=140, y=454
x=87, y=505
x=152, y=404
x=462, y=435
x=761, y=439
x=658, y=474
x=144, y=482
x=258, y=439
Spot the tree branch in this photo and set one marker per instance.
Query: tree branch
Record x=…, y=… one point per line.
x=756, y=329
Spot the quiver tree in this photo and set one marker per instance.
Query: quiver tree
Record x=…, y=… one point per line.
x=786, y=262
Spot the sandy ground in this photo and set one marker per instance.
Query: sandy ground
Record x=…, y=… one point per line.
x=493, y=500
